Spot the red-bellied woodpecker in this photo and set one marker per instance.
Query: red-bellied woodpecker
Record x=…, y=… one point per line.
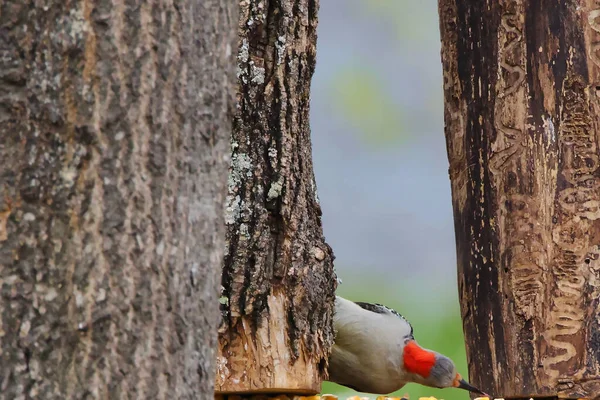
x=375, y=352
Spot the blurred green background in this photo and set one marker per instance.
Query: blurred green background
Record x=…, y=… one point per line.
x=382, y=171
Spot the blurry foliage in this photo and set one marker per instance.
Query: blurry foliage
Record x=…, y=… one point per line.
x=436, y=322
x=362, y=99
x=361, y=96
x=407, y=18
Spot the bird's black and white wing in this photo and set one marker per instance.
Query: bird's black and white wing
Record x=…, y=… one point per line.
x=381, y=309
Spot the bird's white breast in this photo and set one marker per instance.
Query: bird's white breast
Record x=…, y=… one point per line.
x=368, y=349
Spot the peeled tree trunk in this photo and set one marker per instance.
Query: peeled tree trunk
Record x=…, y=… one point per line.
x=114, y=134
x=278, y=280
x=522, y=107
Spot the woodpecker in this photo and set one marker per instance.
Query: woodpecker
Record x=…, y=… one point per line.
x=375, y=352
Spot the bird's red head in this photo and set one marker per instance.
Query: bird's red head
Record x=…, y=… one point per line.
x=418, y=360
x=435, y=370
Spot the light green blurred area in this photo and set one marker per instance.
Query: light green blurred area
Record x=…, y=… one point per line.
x=361, y=98
x=358, y=91
x=434, y=315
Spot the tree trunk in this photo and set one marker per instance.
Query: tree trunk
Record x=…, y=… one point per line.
x=521, y=82
x=113, y=139
x=278, y=280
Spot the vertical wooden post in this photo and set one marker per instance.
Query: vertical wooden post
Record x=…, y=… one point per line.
x=114, y=130
x=522, y=107
x=278, y=280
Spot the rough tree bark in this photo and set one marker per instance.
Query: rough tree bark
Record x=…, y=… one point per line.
x=522, y=107
x=278, y=280
x=114, y=134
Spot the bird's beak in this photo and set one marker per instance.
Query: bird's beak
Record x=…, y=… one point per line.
x=467, y=386
x=462, y=384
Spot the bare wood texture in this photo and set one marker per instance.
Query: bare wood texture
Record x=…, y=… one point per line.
x=522, y=108
x=115, y=120
x=278, y=279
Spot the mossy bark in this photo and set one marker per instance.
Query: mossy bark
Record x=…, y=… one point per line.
x=115, y=123
x=522, y=112
x=278, y=279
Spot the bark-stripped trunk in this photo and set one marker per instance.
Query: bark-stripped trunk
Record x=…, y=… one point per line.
x=278, y=279
x=113, y=139
x=521, y=82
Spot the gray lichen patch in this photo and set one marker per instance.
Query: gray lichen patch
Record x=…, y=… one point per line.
x=273, y=153
x=244, y=233
x=243, y=53
x=280, y=45
x=232, y=209
x=241, y=166
x=275, y=190
x=240, y=170
x=73, y=32
x=314, y=189
x=258, y=74
x=243, y=57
